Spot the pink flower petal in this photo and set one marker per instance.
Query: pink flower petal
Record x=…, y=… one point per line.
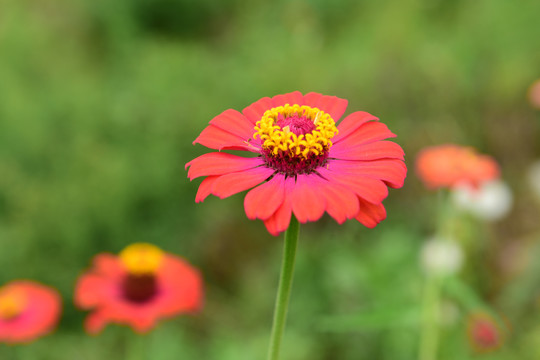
x=232, y=183
x=370, y=151
x=280, y=220
x=219, y=164
x=341, y=203
x=215, y=138
x=307, y=204
x=234, y=122
x=369, y=132
x=255, y=111
x=372, y=190
x=265, y=199
x=352, y=122
x=329, y=104
x=391, y=171
x=205, y=188
x=294, y=98
x=371, y=214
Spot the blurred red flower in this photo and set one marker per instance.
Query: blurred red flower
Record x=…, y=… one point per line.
x=450, y=165
x=138, y=287
x=484, y=334
x=534, y=94
x=28, y=310
x=303, y=164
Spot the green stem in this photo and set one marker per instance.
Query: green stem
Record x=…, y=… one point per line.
x=429, y=337
x=284, y=288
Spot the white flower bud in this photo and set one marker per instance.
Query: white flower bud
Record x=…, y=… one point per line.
x=491, y=201
x=441, y=256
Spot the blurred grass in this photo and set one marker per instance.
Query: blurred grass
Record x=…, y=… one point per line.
x=100, y=101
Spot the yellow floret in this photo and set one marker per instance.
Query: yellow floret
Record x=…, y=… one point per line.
x=277, y=139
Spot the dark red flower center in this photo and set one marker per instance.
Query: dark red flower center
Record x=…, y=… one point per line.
x=139, y=288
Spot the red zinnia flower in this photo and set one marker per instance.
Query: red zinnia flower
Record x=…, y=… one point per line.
x=304, y=163
x=137, y=288
x=449, y=165
x=534, y=94
x=28, y=310
x=484, y=333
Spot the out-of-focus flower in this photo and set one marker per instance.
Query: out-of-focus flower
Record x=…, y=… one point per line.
x=449, y=165
x=441, y=256
x=491, y=200
x=484, y=334
x=534, y=94
x=304, y=164
x=28, y=310
x=533, y=176
x=138, y=287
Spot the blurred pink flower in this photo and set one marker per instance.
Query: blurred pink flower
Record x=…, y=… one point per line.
x=138, y=287
x=28, y=310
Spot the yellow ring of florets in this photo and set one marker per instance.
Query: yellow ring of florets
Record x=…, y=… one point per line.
x=141, y=258
x=277, y=139
x=12, y=303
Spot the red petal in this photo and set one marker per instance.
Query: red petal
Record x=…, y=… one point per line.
x=219, y=164
x=372, y=190
x=341, y=203
x=107, y=264
x=255, y=111
x=95, y=322
x=215, y=138
x=265, y=199
x=142, y=323
x=391, y=171
x=351, y=123
x=234, y=122
x=293, y=98
x=369, y=132
x=307, y=204
x=205, y=188
x=329, y=104
x=371, y=214
x=229, y=184
x=370, y=151
x=280, y=220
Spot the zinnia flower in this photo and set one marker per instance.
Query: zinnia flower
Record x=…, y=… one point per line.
x=304, y=163
x=484, y=334
x=449, y=165
x=28, y=310
x=138, y=287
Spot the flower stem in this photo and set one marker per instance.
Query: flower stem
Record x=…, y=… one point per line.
x=284, y=288
x=429, y=337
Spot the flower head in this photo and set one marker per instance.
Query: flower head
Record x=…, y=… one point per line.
x=484, y=334
x=28, y=310
x=305, y=162
x=138, y=287
x=449, y=165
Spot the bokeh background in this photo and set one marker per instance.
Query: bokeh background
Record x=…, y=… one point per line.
x=100, y=102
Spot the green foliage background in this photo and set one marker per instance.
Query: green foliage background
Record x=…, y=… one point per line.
x=100, y=102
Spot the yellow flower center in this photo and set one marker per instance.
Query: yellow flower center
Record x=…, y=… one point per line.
x=12, y=303
x=297, y=131
x=141, y=258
